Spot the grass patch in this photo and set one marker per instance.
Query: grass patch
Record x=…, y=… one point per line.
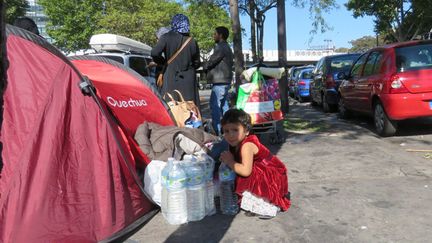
x=297, y=124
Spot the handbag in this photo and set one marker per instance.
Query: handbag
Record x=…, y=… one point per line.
x=159, y=81
x=183, y=110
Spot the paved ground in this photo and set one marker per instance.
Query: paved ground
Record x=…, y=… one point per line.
x=347, y=185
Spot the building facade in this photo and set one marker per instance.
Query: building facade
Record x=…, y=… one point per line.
x=35, y=12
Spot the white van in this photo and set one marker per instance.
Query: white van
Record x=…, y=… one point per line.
x=131, y=53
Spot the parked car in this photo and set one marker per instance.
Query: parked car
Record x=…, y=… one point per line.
x=391, y=83
x=325, y=84
x=292, y=74
x=301, y=84
x=131, y=53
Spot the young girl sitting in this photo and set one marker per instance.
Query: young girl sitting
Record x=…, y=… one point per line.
x=262, y=181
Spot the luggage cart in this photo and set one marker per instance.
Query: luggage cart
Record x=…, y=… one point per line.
x=276, y=136
x=271, y=125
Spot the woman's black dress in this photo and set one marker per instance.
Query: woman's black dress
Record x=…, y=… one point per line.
x=180, y=74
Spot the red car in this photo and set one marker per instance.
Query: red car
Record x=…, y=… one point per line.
x=391, y=83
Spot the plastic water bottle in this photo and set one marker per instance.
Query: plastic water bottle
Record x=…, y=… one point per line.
x=228, y=197
x=195, y=189
x=174, y=209
x=164, y=179
x=208, y=165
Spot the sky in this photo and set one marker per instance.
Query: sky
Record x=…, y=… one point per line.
x=298, y=22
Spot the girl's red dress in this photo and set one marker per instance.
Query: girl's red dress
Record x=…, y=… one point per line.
x=269, y=178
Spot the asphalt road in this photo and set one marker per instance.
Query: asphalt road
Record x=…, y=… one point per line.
x=347, y=185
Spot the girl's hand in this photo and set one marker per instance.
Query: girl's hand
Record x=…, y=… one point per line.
x=227, y=158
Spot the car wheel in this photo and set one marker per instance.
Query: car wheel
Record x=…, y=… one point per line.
x=344, y=113
x=291, y=94
x=383, y=125
x=312, y=100
x=300, y=99
x=324, y=104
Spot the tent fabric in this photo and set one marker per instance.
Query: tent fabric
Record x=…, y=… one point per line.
x=131, y=98
x=66, y=175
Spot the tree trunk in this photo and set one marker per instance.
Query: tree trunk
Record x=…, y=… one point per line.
x=253, y=31
x=261, y=40
x=260, y=28
x=3, y=67
x=236, y=30
x=282, y=53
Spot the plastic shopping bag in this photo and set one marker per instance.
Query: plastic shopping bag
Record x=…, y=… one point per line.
x=261, y=99
x=153, y=180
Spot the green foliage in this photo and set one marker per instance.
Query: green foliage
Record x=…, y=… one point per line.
x=342, y=50
x=204, y=18
x=14, y=9
x=138, y=19
x=398, y=20
x=316, y=10
x=363, y=44
x=71, y=22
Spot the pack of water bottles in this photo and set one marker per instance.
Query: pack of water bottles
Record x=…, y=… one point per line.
x=188, y=189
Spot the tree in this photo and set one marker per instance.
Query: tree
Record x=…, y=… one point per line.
x=236, y=31
x=253, y=31
x=316, y=10
x=14, y=9
x=282, y=53
x=342, y=50
x=399, y=20
x=256, y=9
x=72, y=23
x=365, y=43
x=138, y=19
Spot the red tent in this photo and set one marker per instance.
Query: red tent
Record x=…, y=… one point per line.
x=69, y=161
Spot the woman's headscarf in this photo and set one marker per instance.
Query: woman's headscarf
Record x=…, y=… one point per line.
x=161, y=31
x=180, y=24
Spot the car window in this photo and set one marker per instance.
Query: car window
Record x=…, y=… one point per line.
x=341, y=64
x=151, y=70
x=357, y=67
x=296, y=72
x=114, y=58
x=319, y=66
x=372, y=65
x=414, y=57
x=306, y=74
x=139, y=65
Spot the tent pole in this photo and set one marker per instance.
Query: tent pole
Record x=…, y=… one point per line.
x=3, y=67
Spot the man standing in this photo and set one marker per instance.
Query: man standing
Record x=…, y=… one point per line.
x=219, y=73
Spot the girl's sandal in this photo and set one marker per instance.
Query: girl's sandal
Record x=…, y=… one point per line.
x=265, y=217
x=250, y=214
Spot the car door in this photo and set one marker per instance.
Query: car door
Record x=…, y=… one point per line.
x=348, y=86
x=317, y=81
x=364, y=86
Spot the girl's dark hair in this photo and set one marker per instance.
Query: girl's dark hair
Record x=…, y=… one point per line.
x=237, y=116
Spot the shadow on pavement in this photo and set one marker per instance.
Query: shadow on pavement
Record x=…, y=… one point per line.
x=210, y=229
x=360, y=124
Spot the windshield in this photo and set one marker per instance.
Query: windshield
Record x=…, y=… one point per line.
x=414, y=57
x=342, y=64
x=297, y=71
x=307, y=74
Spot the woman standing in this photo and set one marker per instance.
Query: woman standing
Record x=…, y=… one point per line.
x=180, y=73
